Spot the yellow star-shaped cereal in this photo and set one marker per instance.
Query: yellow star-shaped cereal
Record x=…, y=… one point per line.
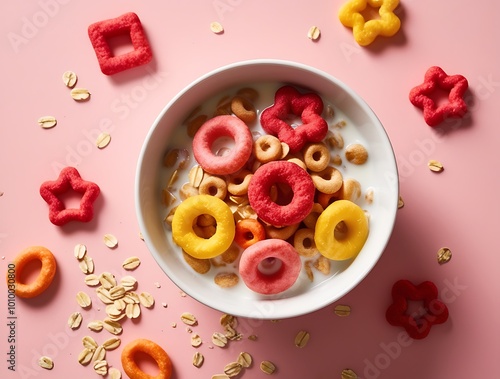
x=364, y=31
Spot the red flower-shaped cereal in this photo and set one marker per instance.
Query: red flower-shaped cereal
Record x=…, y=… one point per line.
x=436, y=78
x=69, y=179
x=419, y=323
x=288, y=101
x=127, y=24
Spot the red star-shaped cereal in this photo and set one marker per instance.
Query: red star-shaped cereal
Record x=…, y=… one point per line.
x=419, y=323
x=126, y=24
x=69, y=179
x=436, y=78
x=288, y=101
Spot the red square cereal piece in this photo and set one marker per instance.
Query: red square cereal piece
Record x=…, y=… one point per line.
x=127, y=23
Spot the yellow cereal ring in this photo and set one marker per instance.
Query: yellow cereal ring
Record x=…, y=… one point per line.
x=184, y=235
x=356, y=234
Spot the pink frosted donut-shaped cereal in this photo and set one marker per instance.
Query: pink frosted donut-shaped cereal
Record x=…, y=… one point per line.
x=220, y=127
x=287, y=173
x=270, y=266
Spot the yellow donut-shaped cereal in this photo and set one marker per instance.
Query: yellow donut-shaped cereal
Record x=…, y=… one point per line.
x=184, y=235
x=356, y=234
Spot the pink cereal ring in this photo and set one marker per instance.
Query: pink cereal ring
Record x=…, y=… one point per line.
x=219, y=127
x=287, y=173
x=270, y=266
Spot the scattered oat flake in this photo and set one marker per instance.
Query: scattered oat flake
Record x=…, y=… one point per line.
x=157, y=285
x=46, y=363
x=110, y=240
x=114, y=373
x=301, y=339
x=198, y=359
x=342, y=310
x=80, y=94
x=131, y=263
x=80, y=250
x=401, y=203
x=69, y=79
x=47, y=122
x=75, y=320
x=435, y=166
x=216, y=27
x=348, y=374
x=313, y=33
x=443, y=255
x=188, y=319
x=267, y=367
x=103, y=140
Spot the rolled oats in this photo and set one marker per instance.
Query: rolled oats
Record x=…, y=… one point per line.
x=198, y=359
x=342, y=310
x=85, y=356
x=146, y=299
x=128, y=282
x=101, y=367
x=219, y=339
x=196, y=340
x=131, y=263
x=111, y=326
x=46, y=363
x=83, y=299
x=267, y=367
x=47, y=122
x=95, y=326
x=89, y=343
x=110, y=240
x=75, y=320
x=99, y=354
x=232, y=369
x=244, y=359
x=348, y=374
x=86, y=265
x=301, y=339
x=80, y=94
x=435, y=166
x=92, y=280
x=443, y=255
x=216, y=27
x=69, y=79
x=313, y=33
x=188, y=319
x=107, y=280
x=103, y=140
x=114, y=373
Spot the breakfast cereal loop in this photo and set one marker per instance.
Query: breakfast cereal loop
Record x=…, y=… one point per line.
x=366, y=31
x=216, y=128
x=248, y=232
x=270, y=266
x=349, y=245
x=151, y=349
x=184, y=235
x=45, y=277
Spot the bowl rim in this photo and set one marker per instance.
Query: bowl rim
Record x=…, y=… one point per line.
x=276, y=313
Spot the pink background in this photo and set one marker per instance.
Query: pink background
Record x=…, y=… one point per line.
x=457, y=208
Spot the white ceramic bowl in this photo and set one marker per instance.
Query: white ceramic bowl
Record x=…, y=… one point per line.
x=379, y=176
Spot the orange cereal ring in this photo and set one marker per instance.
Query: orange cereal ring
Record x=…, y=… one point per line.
x=316, y=156
x=303, y=241
x=45, y=277
x=248, y=231
x=243, y=109
x=213, y=186
x=325, y=199
x=267, y=148
x=151, y=349
x=237, y=184
x=328, y=181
